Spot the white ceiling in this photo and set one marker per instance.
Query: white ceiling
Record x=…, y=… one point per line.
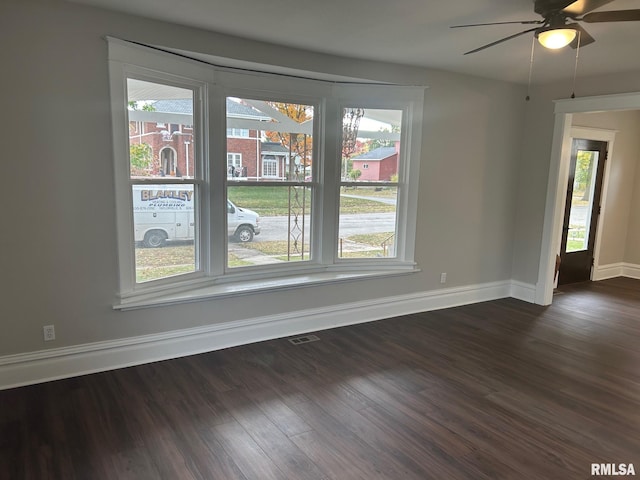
x=411, y=32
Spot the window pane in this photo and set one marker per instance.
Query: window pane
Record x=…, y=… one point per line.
x=367, y=222
x=582, y=200
x=370, y=154
x=370, y=145
x=268, y=225
x=164, y=228
x=272, y=139
x=161, y=133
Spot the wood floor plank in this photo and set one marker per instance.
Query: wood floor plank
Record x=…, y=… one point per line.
x=250, y=458
x=404, y=458
x=494, y=430
x=417, y=443
x=292, y=462
x=494, y=390
x=335, y=463
x=374, y=463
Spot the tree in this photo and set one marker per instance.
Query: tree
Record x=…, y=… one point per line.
x=141, y=158
x=584, y=172
x=141, y=105
x=355, y=174
x=350, y=143
x=377, y=142
x=140, y=154
x=300, y=145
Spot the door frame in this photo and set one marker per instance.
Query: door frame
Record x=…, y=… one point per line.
x=558, y=178
x=608, y=137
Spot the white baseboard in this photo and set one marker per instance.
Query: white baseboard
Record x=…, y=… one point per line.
x=612, y=270
x=523, y=291
x=52, y=364
x=632, y=271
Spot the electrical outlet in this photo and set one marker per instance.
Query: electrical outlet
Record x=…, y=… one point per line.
x=443, y=278
x=49, y=332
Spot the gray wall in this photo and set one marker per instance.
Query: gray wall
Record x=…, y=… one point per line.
x=58, y=243
x=632, y=251
x=534, y=166
x=617, y=241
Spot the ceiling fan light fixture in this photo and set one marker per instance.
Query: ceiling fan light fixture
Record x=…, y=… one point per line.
x=554, y=38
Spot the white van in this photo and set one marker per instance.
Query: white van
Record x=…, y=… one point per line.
x=164, y=213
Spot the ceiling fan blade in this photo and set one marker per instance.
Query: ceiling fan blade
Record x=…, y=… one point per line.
x=583, y=35
x=522, y=22
x=612, y=16
x=545, y=7
x=581, y=7
x=501, y=40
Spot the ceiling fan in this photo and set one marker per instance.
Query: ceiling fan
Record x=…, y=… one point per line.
x=558, y=26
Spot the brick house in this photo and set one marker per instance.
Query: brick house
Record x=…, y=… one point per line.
x=274, y=160
x=248, y=154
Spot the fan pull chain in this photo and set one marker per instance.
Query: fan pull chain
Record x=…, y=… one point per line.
x=533, y=46
x=575, y=69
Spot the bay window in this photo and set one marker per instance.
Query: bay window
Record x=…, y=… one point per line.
x=323, y=189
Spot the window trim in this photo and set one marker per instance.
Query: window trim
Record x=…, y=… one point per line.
x=234, y=156
x=271, y=162
x=213, y=85
x=232, y=132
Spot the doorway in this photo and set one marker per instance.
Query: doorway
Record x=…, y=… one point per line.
x=582, y=210
x=167, y=162
x=556, y=187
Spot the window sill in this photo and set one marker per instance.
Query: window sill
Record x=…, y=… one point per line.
x=245, y=287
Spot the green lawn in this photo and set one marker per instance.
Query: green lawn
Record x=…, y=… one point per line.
x=155, y=263
x=268, y=201
x=278, y=249
x=373, y=239
x=271, y=201
x=380, y=192
x=575, y=245
x=358, y=205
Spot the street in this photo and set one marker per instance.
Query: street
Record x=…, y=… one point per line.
x=276, y=228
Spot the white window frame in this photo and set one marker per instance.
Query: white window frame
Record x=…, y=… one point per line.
x=236, y=159
x=211, y=86
x=274, y=160
x=238, y=132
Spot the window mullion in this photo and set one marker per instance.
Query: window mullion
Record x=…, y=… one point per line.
x=216, y=174
x=329, y=189
x=408, y=190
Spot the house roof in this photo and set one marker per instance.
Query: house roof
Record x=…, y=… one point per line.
x=174, y=105
x=185, y=105
x=242, y=110
x=273, y=147
x=379, y=153
x=179, y=105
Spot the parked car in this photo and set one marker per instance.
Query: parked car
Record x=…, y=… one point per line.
x=164, y=213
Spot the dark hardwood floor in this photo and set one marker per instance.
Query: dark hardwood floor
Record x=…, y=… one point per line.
x=497, y=390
